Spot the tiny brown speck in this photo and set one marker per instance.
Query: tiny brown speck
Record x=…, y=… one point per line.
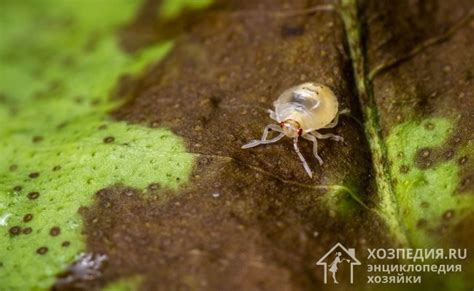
x=15, y=230
x=17, y=188
x=28, y=217
x=448, y=214
x=34, y=175
x=109, y=139
x=153, y=187
x=57, y=168
x=129, y=192
x=404, y=169
x=42, y=250
x=37, y=139
x=65, y=243
x=55, y=231
x=27, y=230
x=448, y=154
x=429, y=126
x=424, y=204
x=421, y=223
x=33, y=195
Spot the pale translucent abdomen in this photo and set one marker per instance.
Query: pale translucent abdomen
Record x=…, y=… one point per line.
x=312, y=105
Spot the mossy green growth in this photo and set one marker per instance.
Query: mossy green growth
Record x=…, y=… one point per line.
x=126, y=284
x=424, y=195
x=59, y=62
x=172, y=8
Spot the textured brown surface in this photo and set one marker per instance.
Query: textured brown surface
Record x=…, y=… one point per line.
x=249, y=219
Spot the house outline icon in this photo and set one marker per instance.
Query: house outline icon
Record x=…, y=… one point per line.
x=350, y=252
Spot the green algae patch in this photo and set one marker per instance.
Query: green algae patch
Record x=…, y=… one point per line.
x=426, y=196
x=126, y=284
x=172, y=8
x=59, y=64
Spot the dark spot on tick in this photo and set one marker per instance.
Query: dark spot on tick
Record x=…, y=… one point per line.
x=34, y=175
x=42, y=250
x=55, y=231
x=28, y=217
x=33, y=195
x=15, y=230
x=109, y=139
x=27, y=230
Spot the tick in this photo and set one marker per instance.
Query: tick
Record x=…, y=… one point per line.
x=300, y=111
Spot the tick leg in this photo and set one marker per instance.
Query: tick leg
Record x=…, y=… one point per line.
x=315, y=147
x=327, y=135
x=305, y=164
x=264, y=140
x=272, y=114
x=336, y=119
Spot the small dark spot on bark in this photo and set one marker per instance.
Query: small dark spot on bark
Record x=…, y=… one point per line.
x=15, y=230
x=27, y=230
x=109, y=139
x=42, y=250
x=28, y=217
x=34, y=175
x=33, y=195
x=55, y=231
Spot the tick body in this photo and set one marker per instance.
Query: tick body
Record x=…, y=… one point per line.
x=300, y=111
